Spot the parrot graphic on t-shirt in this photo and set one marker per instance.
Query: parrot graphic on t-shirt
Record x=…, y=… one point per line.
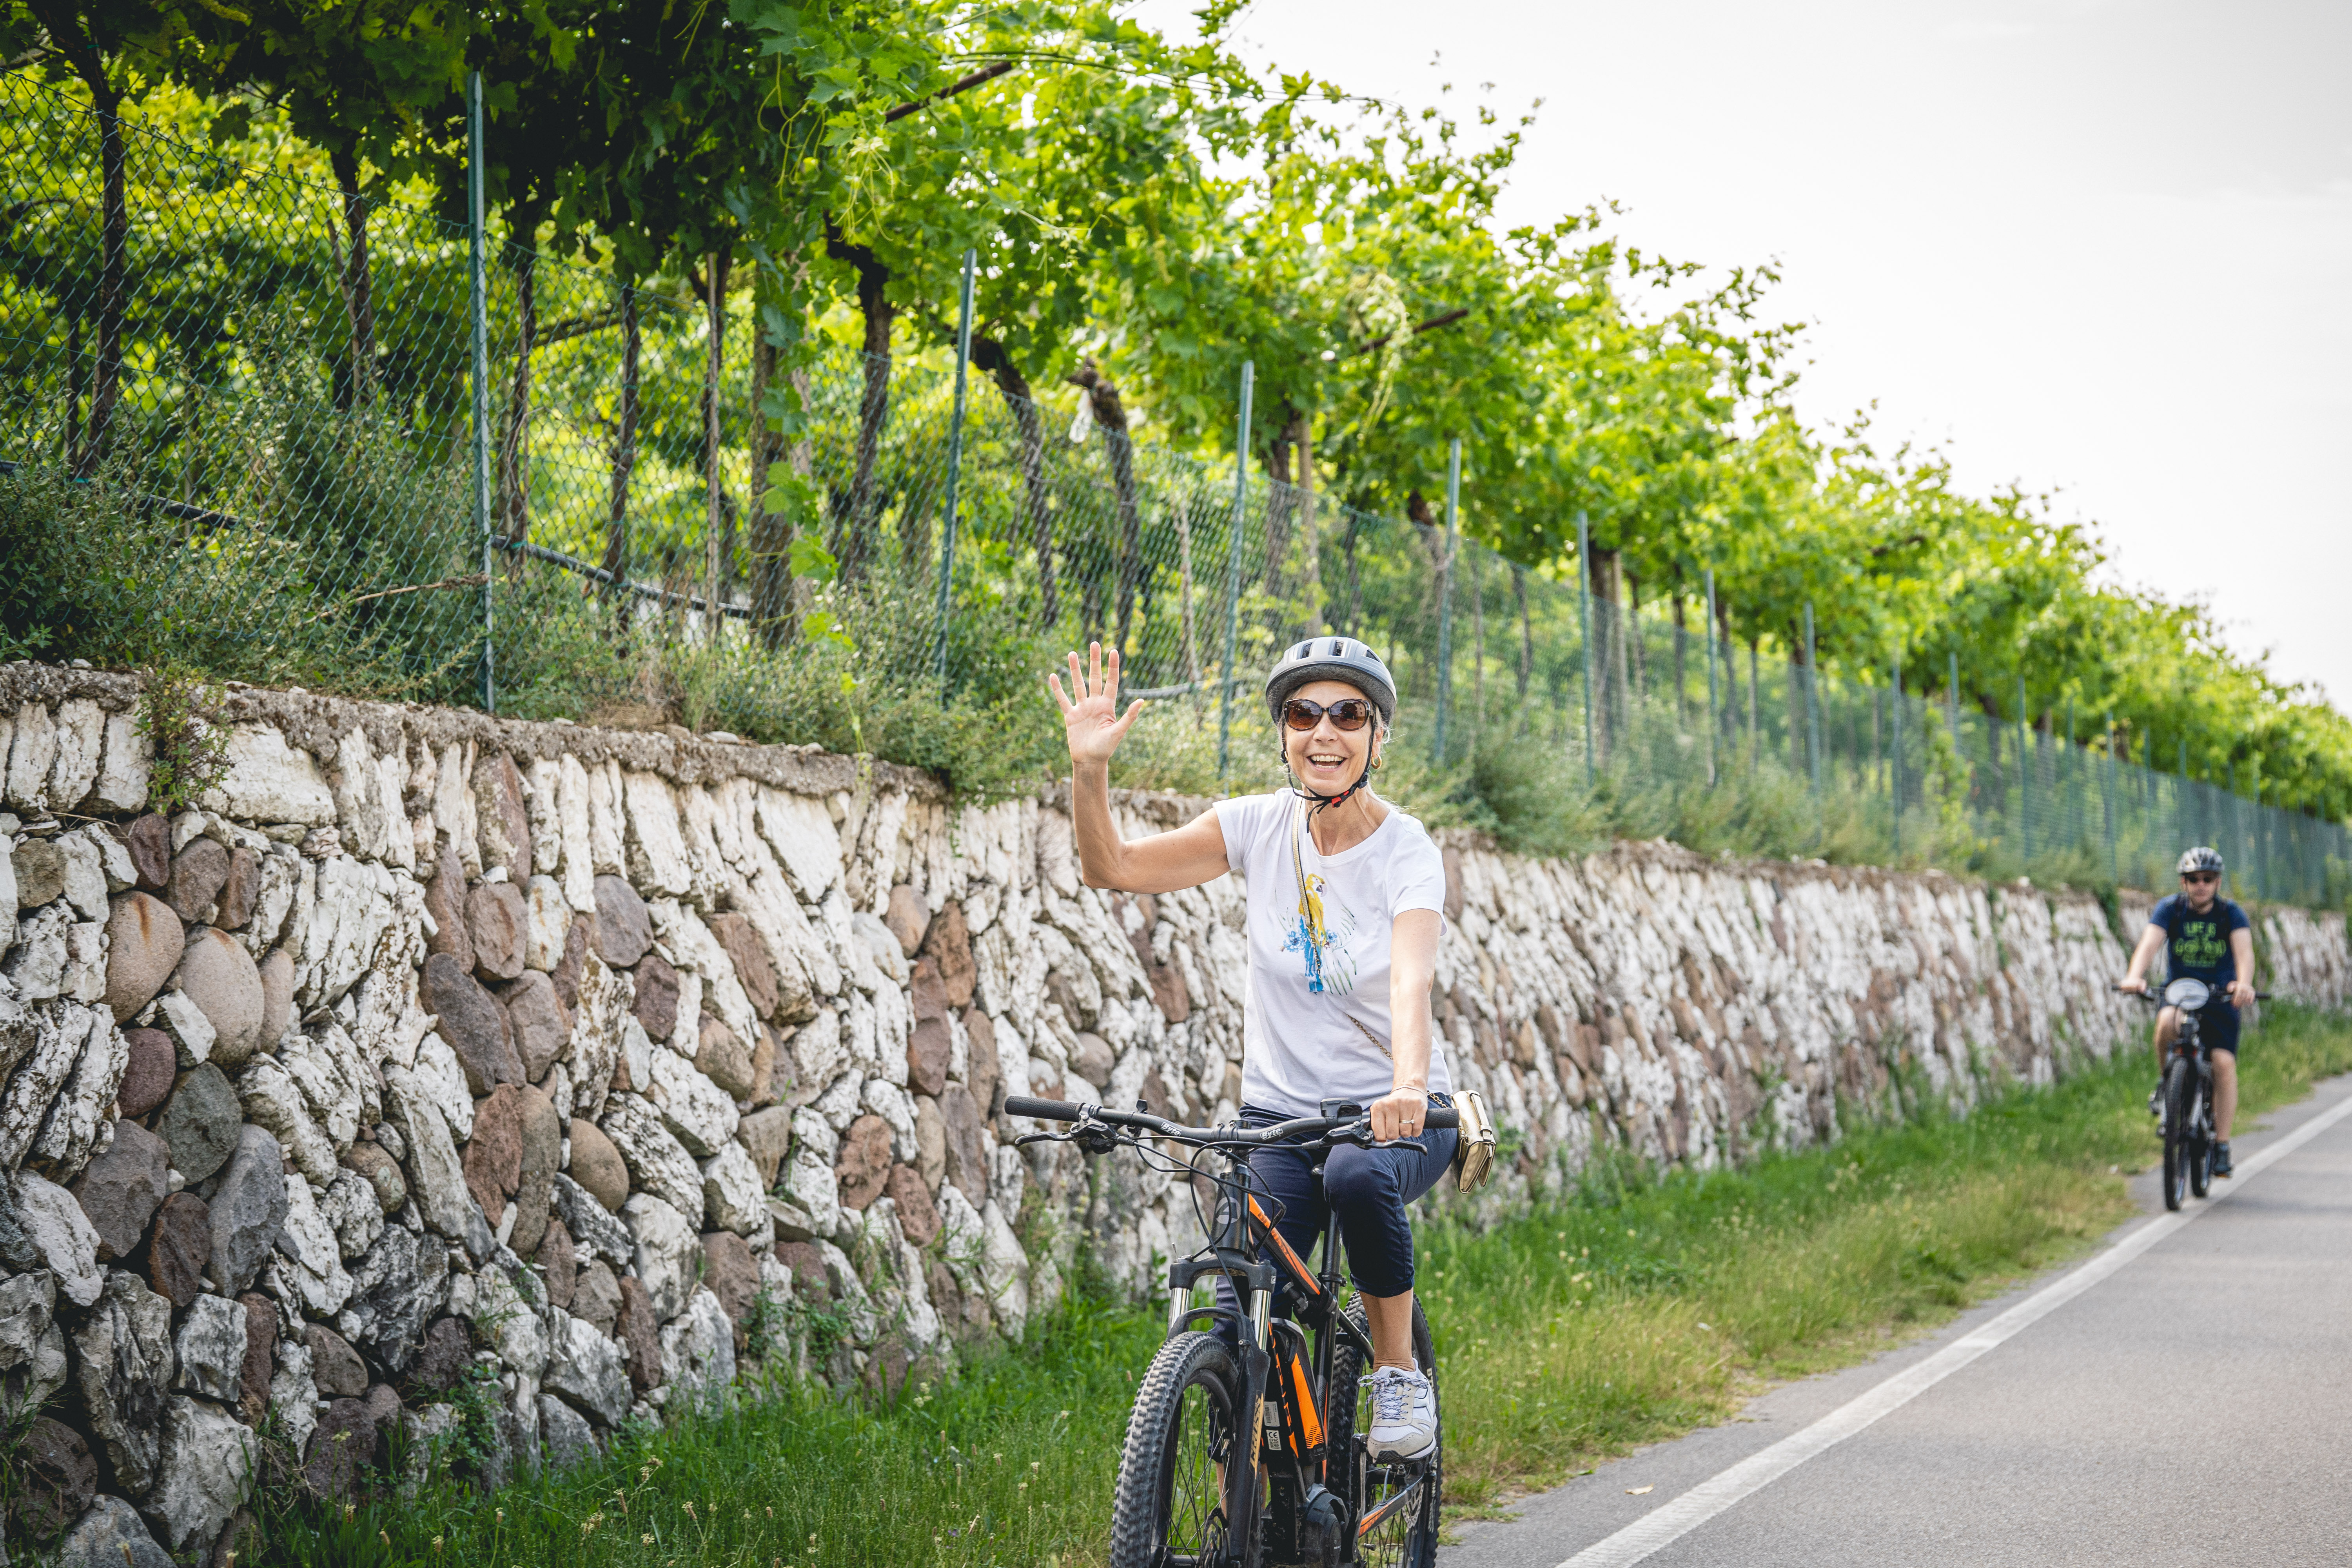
x=1329, y=964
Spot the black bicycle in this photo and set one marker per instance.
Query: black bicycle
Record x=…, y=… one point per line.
x=1249, y=1449
x=2187, y=1095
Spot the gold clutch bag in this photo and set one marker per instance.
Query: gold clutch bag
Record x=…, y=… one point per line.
x=1474, y=1148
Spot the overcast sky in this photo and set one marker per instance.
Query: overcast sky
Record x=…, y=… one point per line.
x=2097, y=246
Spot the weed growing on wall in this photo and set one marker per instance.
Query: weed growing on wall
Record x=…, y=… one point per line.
x=177, y=711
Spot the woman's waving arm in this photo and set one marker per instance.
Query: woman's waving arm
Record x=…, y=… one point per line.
x=1183, y=858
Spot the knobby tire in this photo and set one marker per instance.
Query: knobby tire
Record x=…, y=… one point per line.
x=1167, y=1509
x=2200, y=1151
x=2177, y=1090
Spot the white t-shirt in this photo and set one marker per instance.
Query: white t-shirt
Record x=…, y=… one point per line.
x=1320, y=960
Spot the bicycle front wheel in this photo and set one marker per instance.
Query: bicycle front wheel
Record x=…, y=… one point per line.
x=1186, y=1427
x=2200, y=1142
x=2177, y=1090
x=1404, y=1497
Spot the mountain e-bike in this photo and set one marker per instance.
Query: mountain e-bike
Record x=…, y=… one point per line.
x=1248, y=1444
x=2186, y=1095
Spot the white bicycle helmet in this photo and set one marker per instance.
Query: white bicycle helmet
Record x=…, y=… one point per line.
x=2201, y=858
x=1331, y=659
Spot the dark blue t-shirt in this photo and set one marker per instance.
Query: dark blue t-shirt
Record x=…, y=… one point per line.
x=2197, y=947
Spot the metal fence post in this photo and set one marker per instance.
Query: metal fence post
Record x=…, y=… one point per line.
x=480, y=311
x=1233, y=572
x=2236, y=852
x=1812, y=708
x=2255, y=856
x=1584, y=628
x=1895, y=748
x=2180, y=798
x=955, y=466
x=2024, y=775
x=1714, y=711
x=2072, y=823
x=1446, y=594
x=2109, y=811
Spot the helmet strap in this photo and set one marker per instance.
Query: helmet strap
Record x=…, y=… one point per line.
x=1364, y=779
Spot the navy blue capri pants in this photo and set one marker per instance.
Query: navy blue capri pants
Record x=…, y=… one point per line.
x=1369, y=1188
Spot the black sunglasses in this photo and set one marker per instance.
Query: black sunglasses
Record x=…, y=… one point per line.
x=2200, y=875
x=1350, y=713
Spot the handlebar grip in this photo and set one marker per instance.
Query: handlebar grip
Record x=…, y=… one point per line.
x=1442, y=1117
x=1040, y=1110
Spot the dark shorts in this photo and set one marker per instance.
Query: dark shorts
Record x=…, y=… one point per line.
x=1369, y=1188
x=2217, y=1024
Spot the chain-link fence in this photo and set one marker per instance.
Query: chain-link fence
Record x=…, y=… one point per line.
x=1860, y=767
x=240, y=430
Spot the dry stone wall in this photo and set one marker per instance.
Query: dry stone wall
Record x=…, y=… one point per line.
x=493, y=1083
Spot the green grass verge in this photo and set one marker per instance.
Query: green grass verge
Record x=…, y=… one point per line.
x=1638, y=1309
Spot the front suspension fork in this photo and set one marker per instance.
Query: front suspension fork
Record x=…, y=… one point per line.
x=1242, y=1479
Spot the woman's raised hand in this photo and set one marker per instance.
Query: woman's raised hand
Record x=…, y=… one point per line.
x=1090, y=716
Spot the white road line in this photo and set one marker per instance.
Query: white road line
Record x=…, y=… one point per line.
x=1693, y=1508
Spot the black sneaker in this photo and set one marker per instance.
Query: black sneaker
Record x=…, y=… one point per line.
x=2220, y=1159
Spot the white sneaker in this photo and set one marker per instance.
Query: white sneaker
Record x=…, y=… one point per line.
x=1404, y=1415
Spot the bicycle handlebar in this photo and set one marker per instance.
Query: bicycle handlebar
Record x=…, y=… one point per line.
x=1439, y=1118
x=2156, y=995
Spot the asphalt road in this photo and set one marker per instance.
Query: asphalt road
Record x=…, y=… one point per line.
x=2190, y=1405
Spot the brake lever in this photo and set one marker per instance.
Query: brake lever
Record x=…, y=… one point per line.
x=1360, y=1135
x=1092, y=1137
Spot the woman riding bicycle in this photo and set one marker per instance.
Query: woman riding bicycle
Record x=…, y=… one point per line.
x=1345, y=904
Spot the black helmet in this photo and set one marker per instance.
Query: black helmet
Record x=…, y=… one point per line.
x=1331, y=659
x=2201, y=858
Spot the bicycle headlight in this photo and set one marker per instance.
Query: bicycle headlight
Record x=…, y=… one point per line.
x=2189, y=996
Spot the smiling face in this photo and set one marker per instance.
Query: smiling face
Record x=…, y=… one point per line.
x=1327, y=759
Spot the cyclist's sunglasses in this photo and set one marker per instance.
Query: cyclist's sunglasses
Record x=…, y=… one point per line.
x=2200, y=875
x=1350, y=713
